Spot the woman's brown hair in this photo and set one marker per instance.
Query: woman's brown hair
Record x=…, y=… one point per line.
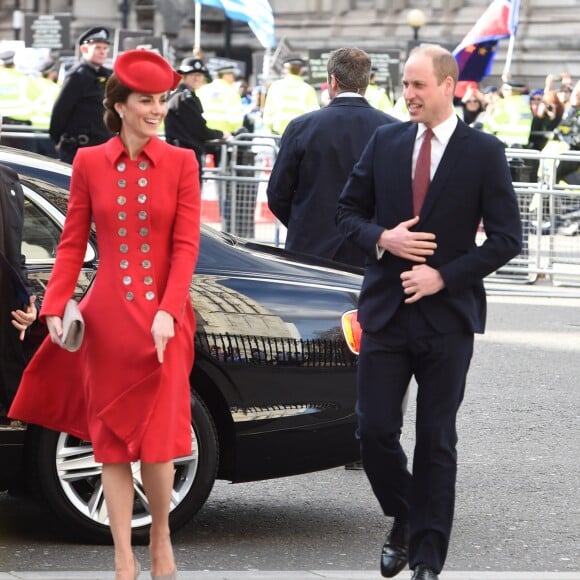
x=115, y=92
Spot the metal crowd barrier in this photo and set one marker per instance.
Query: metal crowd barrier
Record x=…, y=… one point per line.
x=236, y=173
x=235, y=177
x=550, y=212
x=234, y=200
x=34, y=139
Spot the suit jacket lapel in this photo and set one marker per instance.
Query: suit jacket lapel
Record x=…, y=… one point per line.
x=405, y=161
x=450, y=158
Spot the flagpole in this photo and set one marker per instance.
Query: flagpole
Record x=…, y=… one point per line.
x=508, y=59
x=197, y=30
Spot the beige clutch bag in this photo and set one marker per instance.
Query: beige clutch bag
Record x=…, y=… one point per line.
x=73, y=327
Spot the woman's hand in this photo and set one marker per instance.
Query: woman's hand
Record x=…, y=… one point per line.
x=162, y=330
x=54, y=325
x=22, y=319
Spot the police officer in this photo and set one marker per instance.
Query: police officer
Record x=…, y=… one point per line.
x=288, y=97
x=222, y=103
x=510, y=119
x=15, y=92
x=77, y=115
x=376, y=95
x=185, y=125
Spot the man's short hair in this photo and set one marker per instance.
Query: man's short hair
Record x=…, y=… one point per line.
x=444, y=63
x=351, y=67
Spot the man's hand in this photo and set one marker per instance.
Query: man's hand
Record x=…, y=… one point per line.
x=22, y=319
x=402, y=242
x=162, y=330
x=421, y=281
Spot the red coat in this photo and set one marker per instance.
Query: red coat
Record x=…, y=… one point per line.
x=113, y=391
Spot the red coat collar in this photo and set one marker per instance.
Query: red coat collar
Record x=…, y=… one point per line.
x=154, y=150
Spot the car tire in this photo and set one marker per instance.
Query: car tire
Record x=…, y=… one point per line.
x=65, y=477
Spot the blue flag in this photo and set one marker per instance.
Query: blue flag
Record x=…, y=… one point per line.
x=257, y=13
x=475, y=53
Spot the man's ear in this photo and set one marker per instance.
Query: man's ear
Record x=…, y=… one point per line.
x=449, y=86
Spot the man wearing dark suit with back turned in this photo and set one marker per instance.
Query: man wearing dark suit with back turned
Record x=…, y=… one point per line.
x=317, y=153
x=422, y=297
x=17, y=312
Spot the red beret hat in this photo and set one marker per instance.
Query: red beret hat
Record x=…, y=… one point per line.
x=145, y=71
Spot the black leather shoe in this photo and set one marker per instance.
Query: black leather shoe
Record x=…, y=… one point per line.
x=424, y=573
x=395, y=554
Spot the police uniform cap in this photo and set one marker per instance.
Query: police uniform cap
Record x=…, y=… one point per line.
x=145, y=71
x=228, y=68
x=95, y=34
x=7, y=57
x=295, y=61
x=513, y=85
x=48, y=66
x=192, y=65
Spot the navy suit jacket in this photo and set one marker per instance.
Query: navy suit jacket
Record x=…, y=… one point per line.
x=472, y=184
x=317, y=153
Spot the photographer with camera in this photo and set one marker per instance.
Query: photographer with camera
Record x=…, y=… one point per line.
x=548, y=116
x=563, y=85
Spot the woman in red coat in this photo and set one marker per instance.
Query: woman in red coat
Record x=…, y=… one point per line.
x=137, y=354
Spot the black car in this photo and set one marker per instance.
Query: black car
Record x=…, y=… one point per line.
x=272, y=388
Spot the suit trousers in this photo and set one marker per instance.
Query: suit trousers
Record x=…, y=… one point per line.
x=408, y=347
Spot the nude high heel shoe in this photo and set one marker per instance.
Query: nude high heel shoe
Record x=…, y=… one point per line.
x=137, y=568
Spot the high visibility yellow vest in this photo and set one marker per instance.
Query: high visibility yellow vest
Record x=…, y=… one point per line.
x=378, y=98
x=510, y=120
x=400, y=109
x=287, y=99
x=222, y=106
x=17, y=93
x=47, y=92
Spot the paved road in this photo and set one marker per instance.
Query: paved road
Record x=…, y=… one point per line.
x=518, y=497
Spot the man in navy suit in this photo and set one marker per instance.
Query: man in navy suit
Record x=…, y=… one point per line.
x=317, y=152
x=422, y=298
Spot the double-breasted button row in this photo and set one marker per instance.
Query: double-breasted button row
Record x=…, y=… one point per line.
x=122, y=166
x=135, y=268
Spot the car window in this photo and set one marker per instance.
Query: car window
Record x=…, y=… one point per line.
x=40, y=234
x=43, y=223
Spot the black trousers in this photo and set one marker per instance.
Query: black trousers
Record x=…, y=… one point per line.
x=439, y=362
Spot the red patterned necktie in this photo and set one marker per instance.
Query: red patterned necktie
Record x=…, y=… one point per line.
x=422, y=173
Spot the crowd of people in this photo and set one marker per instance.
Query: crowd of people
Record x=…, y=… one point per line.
x=69, y=106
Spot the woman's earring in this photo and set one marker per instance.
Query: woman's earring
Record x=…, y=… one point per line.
x=120, y=115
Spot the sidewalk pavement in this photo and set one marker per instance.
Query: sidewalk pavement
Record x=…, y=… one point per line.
x=496, y=286
x=295, y=575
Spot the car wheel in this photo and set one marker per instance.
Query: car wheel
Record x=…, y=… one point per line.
x=64, y=474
